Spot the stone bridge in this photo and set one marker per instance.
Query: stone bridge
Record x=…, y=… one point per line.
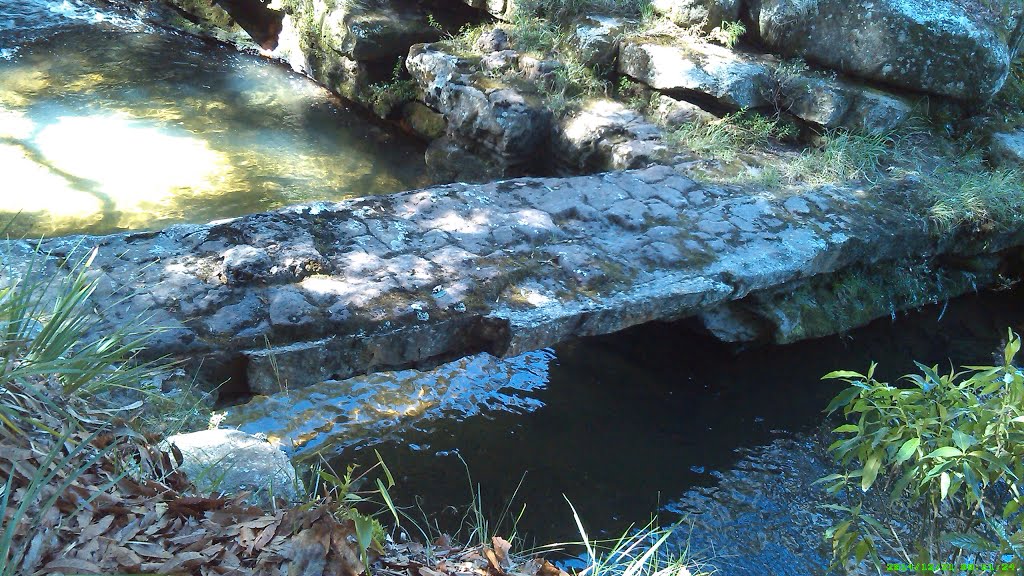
x=331, y=290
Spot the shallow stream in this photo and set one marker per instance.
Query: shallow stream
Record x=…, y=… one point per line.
x=107, y=124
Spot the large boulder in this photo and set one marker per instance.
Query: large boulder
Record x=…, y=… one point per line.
x=706, y=73
x=604, y=135
x=1006, y=149
x=230, y=462
x=832, y=102
x=956, y=49
x=673, y=113
x=596, y=39
x=378, y=30
x=703, y=14
x=691, y=68
x=506, y=125
x=348, y=46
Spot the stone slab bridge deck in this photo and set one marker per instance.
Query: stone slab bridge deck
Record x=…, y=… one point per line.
x=331, y=290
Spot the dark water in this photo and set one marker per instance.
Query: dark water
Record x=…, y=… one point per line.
x=663, y=419
x=107, y=125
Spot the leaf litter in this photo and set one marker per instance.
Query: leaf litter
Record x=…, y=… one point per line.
x=83, y=493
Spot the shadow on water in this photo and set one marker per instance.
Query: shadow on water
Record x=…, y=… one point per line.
x=664, y=418
x=168, y=129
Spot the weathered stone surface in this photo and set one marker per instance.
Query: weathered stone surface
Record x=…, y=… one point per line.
x=957, y=49
x=703, y=14
x=833, y=102
x=673, y=112
x=705, y=72
x=812, y=308
x=605, y=135
x=363, y=31
x=501, y=9
x=417, y=278
x=686, y=66
x=504, y=124
x=596, y=39
x=230, y=461
x=493, y=40
x=1006, y=149
x=423, y=120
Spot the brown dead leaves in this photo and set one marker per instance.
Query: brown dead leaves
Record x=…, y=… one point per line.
x=443, y=559
x=88, y=499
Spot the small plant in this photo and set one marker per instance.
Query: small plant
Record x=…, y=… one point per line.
x=47, y=368
x=950, y=445
x=980, y=196
x=433, y=23
x=342, y=492
x=728, y=34
x=638, y=552
x=386, y=96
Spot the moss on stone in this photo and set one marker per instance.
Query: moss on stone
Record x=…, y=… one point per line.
x=857, y=295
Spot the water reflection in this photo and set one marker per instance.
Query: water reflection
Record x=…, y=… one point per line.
x=390, y=406
x=663, y=418
x=112, y=128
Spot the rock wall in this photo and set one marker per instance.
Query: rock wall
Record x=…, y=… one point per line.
x=485, y=110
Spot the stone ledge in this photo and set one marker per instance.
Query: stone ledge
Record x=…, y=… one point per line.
x=331, y=290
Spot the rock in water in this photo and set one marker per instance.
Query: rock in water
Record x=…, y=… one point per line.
x=231, y=461
x=959, y=49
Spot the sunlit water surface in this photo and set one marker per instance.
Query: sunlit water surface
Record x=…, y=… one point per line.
x=106, y=125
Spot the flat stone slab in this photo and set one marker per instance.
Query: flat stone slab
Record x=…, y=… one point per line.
x=331, y=290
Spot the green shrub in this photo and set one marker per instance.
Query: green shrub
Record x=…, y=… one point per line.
x=951, y=446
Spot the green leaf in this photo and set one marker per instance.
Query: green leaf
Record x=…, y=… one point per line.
x=945, y=452
x=387, y=500
x=963, y=441
x=387, y=473
x=847, y=428
x=944, y=484
x=334, y=480
x=843, y=374
x=907, y=450
x=364, y=530
x=1011, y=507
x=842, y=399
x=970, y=541
x=1012, y=346
x=870, y=471
x=825, y=479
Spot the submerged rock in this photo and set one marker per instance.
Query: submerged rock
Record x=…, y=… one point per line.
x=957, y=49
x=230, y=461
